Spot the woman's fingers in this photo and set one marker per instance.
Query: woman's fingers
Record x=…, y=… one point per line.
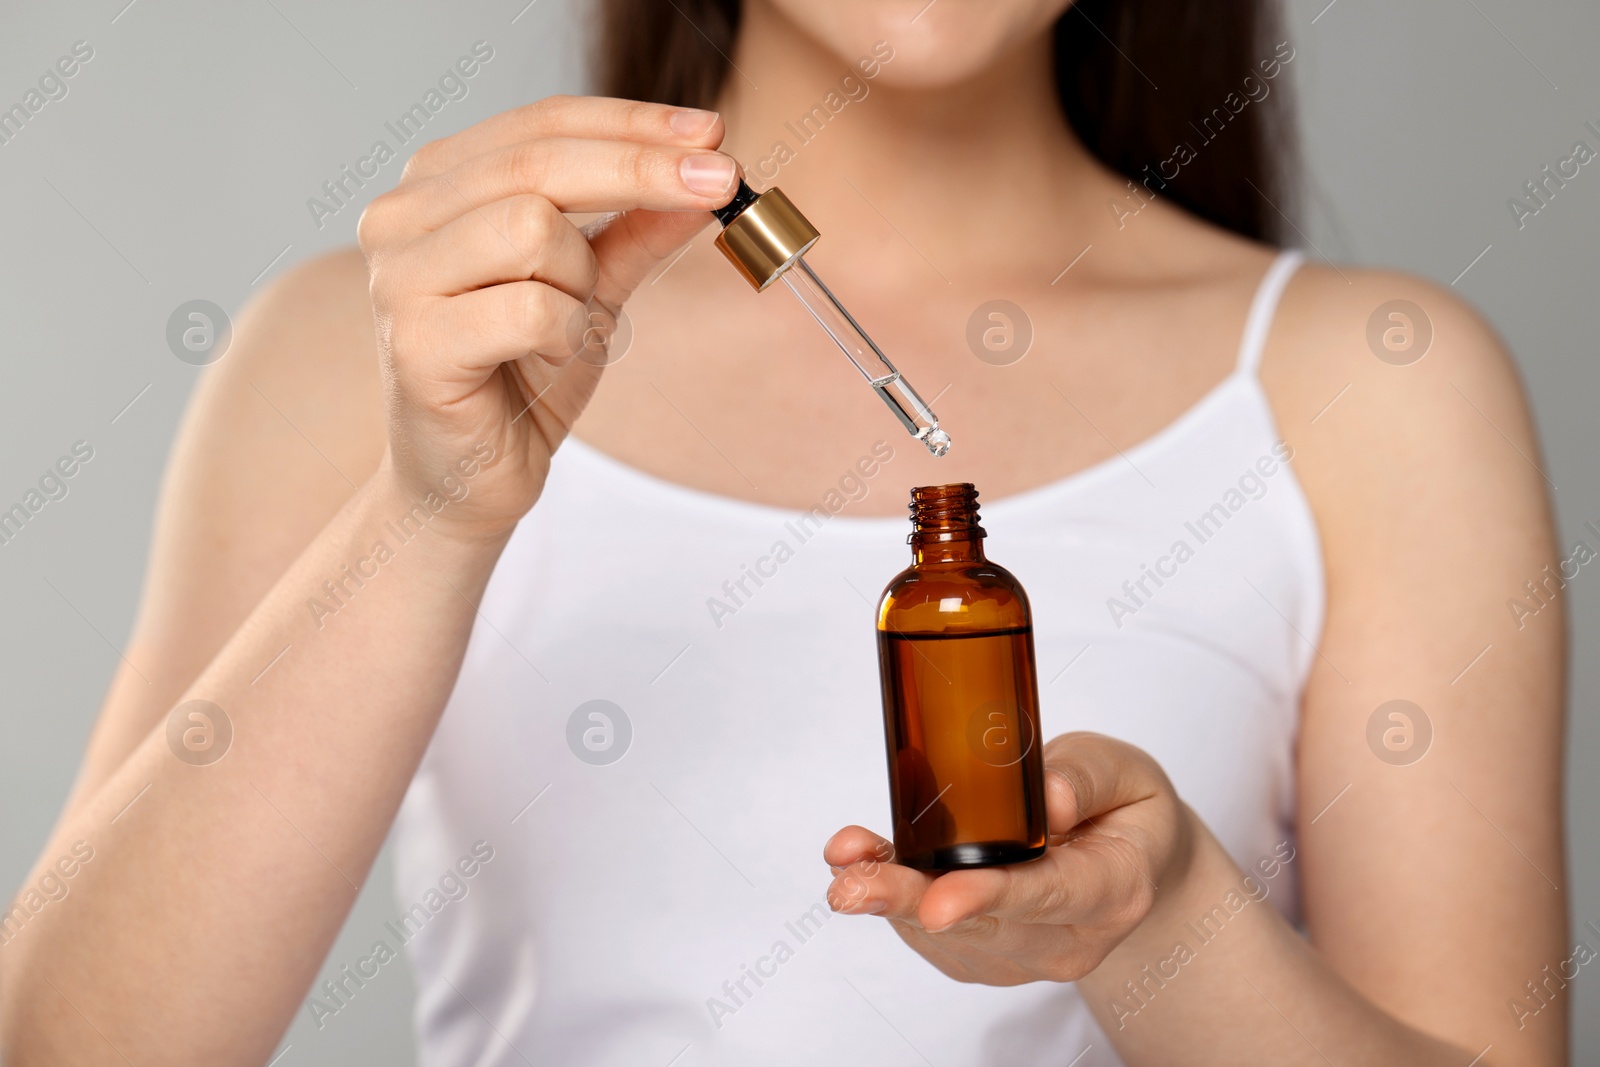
x=1013, y=952
x=516, y=239
x=1082, y=882
x=867, y=881
x=602, y=118
x=481, y=287
x=466, y=336
x=480, y=220
x=1088, y=775
x=629, y=246
x=856, y=844
x=885, y=889
x=538, y=273
x=577, y=175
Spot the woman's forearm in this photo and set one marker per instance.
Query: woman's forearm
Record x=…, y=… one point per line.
x=1215, y=974
x=216, y=886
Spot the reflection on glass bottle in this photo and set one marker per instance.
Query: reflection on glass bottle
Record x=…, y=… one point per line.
x=960, y=698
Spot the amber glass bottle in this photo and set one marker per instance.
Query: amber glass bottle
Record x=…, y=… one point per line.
x=960, y=700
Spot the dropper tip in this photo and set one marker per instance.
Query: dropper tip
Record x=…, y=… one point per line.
x=937, y=440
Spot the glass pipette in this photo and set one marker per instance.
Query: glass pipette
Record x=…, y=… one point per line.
x=766, y=238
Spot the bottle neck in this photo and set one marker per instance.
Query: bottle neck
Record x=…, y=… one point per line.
x=944, y=524
x=956, y=550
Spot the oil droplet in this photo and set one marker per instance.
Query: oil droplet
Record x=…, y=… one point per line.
x=937, y=440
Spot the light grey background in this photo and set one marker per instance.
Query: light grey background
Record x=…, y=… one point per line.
x=179, y=164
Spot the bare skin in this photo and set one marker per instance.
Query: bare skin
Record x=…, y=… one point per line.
x=317, y=427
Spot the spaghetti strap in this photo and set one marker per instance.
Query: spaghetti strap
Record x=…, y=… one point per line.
x=1263, y=308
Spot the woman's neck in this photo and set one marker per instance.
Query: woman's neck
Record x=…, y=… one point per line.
x=855, y=151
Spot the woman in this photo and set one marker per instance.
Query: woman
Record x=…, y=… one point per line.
x=400, y=512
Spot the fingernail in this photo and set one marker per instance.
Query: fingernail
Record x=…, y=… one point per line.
x=710, y=174
x=877, y=907
x=692, y=122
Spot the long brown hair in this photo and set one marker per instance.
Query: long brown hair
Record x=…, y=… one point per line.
x=1136, y=79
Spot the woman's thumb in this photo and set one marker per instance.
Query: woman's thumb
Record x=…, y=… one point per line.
x=630, y=245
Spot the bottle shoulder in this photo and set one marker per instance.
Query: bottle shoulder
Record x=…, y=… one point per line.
x=946, y=597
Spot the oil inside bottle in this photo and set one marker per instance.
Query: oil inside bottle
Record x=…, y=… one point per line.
x=961, y=714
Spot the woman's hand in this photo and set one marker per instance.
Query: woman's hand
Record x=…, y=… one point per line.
x=1120, y=842
x=483, y=290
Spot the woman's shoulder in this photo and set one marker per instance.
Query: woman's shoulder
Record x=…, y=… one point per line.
x=282, y=429
x=321, y=303
x=1404, y=409
x=1407, y=352
x=307, y=346
x=327, y=282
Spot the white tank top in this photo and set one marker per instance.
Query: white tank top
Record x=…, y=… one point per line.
x=668, y=907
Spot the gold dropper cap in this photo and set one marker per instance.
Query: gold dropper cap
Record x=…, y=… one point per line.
x=765, y=236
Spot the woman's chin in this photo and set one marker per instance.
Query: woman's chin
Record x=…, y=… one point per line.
x=933, y=46
x=940, y=65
